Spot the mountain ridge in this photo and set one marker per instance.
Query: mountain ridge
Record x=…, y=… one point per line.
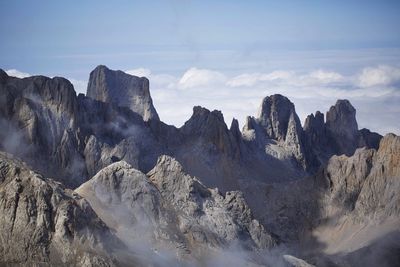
x=275, y=183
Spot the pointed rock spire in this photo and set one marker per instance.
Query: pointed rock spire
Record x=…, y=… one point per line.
x=342, y=126
x=275, y=114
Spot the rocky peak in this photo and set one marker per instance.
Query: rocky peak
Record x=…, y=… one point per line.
x=314, y=123
x=342, y=126
x=203, y=120
x=122, y=89
x=315, y=130
x=274, y=115
x=341, y=119
x=235, y=129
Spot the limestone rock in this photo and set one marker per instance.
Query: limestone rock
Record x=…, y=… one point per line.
x=43, y=223
x=38, y=118
x=338, y=135
x=277, y=131
x=341, y=123
x=122, y=89
x=276, y=115
x=173, y=208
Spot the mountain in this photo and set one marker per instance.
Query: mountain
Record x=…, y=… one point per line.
x=172, y=211
x=127, y=189
x=123, y=90
x=42, y=222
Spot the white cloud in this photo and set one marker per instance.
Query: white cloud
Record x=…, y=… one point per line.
x=140, y=72
x=250, y=79
x=239, y=96
x=326, y=77
x=17, y=73
x=280, y=77
x=277, y=75
x=379, y=76
x=244, y=80
x=195, y=77
x=79, y=86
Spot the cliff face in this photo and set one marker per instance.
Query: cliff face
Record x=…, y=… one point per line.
x=338, y=135
x=38, y=116
x=123, y=90
x=42, y=222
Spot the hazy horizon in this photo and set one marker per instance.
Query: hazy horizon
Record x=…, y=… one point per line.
x=225, y=56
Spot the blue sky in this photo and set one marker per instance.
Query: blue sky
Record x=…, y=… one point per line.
x=216, y=43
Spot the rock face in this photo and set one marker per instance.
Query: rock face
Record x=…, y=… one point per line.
x=172, y=208
x=338, y=135
x=277, y=131
x=277, y=115
x=43, y=223
x=123, y=90
x=341, y=123
x=38, y=116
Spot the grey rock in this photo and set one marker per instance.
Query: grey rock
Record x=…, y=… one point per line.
x=174, y=209
x=122, y=89
x=38, y=116
x=43, y=223
x=341, y=123
x=277, y=132
x=273, y=177
x=338, y=135
x=275, y=115
x=296, y=262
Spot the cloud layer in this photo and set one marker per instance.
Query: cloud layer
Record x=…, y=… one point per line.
x=374, y=91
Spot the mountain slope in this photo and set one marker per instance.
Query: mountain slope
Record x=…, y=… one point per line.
x=171, y=212
x=43, y=223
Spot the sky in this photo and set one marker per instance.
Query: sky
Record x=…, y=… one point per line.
x=224, y=55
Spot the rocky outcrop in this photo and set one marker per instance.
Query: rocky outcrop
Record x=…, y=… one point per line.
x=172, y=208
x=360, y=204
x=43, y=223
x=338, y=135
x=342, y=125
x=277, y=131
x=122, y=89
x=277, y=115
x=67, y=137
x=38, y=118
x=378, y=197
x=227, y=216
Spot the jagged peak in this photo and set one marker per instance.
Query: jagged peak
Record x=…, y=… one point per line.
x=166, y=164
x=234, y=126
x=276, y=101
x=202, y=111
x=275, y=114
x=341, y=118
x=204, y=119
x=314, y=121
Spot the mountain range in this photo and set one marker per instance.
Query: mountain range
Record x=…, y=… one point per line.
x=100, y=180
